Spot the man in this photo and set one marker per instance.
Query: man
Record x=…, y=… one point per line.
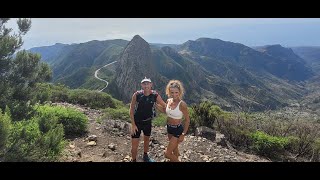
x=142, y=111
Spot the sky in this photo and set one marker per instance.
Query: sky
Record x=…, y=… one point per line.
x=287, y=32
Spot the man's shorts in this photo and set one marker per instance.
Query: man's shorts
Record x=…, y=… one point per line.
x=144, y=126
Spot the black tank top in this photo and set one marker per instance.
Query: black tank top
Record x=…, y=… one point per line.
x=145, y=106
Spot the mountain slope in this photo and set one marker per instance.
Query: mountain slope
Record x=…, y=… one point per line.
x=83, y=55
x=49, y=53
x=280, y=65
x=311, y=55
x=296, y=67
x=258, y=77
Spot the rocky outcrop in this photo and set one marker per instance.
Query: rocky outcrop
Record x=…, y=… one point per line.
x=206, y=132
x=134, y=64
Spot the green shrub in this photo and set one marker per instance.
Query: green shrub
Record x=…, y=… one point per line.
x=74, y=122
x=119, y=104
x=21, y=110
x=293, y=144
x=52, y=143
x=267, y=145
x=306, y=132
x=316, y=150
x=60, y=93
x=204, y=114
x=92, y=99
x=47, y=122
x=99, y=119
x=28, y=143
x=160, y=120
x=23, y=141
x=42, y=92
x=193, y=123
x=121, y=113
x=5, y=125
x=238, y=135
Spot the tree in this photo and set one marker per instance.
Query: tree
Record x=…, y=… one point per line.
x=19, y=71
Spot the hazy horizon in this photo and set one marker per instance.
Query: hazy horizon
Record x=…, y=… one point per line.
x=288, y=32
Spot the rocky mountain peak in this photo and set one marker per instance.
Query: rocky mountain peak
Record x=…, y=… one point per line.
x=138, y=39
x=135, y=63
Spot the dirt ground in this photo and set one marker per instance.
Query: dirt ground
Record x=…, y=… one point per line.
x=109, y=141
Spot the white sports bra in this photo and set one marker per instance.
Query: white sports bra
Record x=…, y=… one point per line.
x=174, y=113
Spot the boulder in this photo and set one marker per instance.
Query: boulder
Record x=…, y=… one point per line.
x=206, y=132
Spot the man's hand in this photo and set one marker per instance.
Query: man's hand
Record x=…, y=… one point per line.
x=134, y=129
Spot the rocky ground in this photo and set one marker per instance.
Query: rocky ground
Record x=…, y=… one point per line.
x=109, y=141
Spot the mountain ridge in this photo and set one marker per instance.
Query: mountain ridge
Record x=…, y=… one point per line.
x=227, y=73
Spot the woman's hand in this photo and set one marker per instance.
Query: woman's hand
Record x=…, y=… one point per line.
x=181, y=138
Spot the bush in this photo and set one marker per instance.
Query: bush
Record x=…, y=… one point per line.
x=60, y=93
x=42, y=92
x=47, y=122
x=121, y=113
x=267, y=145
x=237, y=134
x=293, y=144
x=23, y=142
x=160, y=120
x=204, y=114
x=52, y=143
x=305, y=133
x=74, y=122
x=316, y=151
x=21, y=110
x=5, y=125
x=28, y=143
x=92, y=99
x=193, y=124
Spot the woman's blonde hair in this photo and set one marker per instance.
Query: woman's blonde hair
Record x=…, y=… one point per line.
x=175, y=84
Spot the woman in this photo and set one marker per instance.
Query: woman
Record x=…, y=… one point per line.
x=176, y=108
